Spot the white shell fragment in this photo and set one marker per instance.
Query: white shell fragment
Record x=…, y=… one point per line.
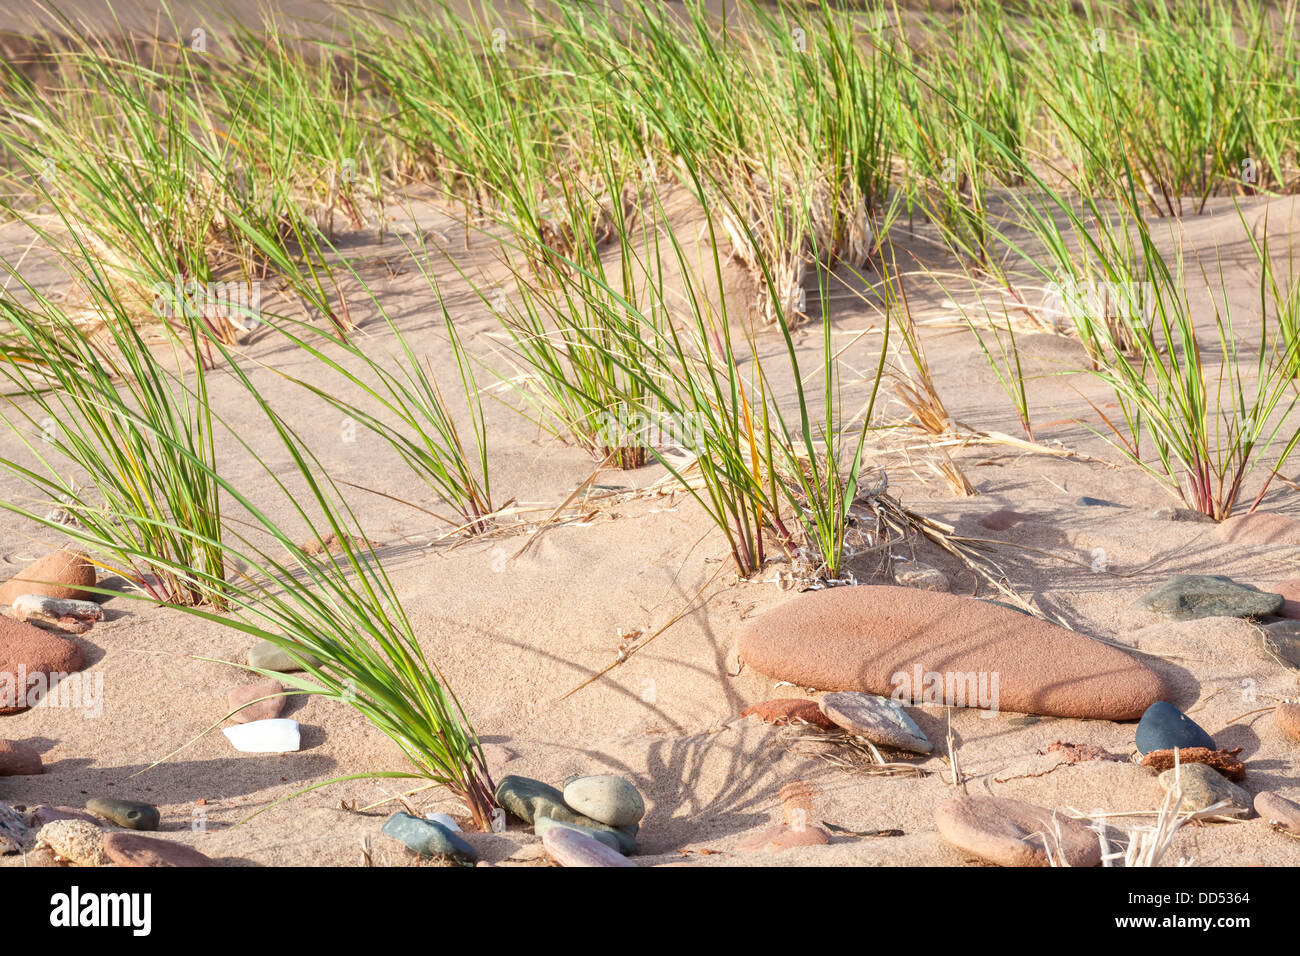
x=274, y=736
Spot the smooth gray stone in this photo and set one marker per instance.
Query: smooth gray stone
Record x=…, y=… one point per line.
x=131, y=814
x=271, y=657
x=1191, y=596
x=606, y=797
x=879, y=719
x=1203, y=786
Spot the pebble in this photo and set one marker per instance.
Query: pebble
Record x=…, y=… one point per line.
x=775, y=839
x=1288, y=719
x=15, y=834
x=75, y=617
x=1086, y=502
x=1192, y=596
x=130, y=849
x=275, y=736
x=126, y=813
x=1261, y=529
x=38, y=816
x=606, y=798
x=77, y=841
x=1204, y=786
x=924, y=647
x=569, y=847
x=25, y=652
x=1165, y=727
x=922, y=577
x=428, y=838
x=1181, y=514
x=880, y=720
x=1011, y=833
x=1002, y=520
x=18, y=760
x=544, y=824
x=69, y=573
x=529, y=799
x=1276, y=808
x=262, y=710
x=272, y=657
x=784, y=710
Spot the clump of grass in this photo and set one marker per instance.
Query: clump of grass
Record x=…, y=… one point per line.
x=136, y=435
x=339, y=606
x=415, y=416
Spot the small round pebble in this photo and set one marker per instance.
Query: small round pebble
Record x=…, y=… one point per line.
x=607, y=798
x=18, y=760
x=126, y=813
x=570, y=848
x=246, y=694
x=1288, y=719
x=1276, y=808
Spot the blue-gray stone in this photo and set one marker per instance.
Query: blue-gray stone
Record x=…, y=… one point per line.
x=1191, y=596
x=1086, y=502
x=1164, y=727
x=427, y=838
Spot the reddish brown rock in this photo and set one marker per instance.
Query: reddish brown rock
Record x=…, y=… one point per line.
x=783, y=710
x=131, y=849
x=1002, y=520
x=1291, y=591
x=1224, y=761
x=775, y=839
x=264, y=709
x=1277, y=809
x=68, y=572
x=18, y=760
x=28, y=656
x=1260, y=530
x=37, y=817
x=941, y=648
x=1011, y=833
x=1288, y=718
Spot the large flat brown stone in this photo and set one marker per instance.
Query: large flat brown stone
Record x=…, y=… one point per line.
x=26, y=652
x=883, y=639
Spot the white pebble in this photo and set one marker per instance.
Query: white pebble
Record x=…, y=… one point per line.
x=274, y=736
